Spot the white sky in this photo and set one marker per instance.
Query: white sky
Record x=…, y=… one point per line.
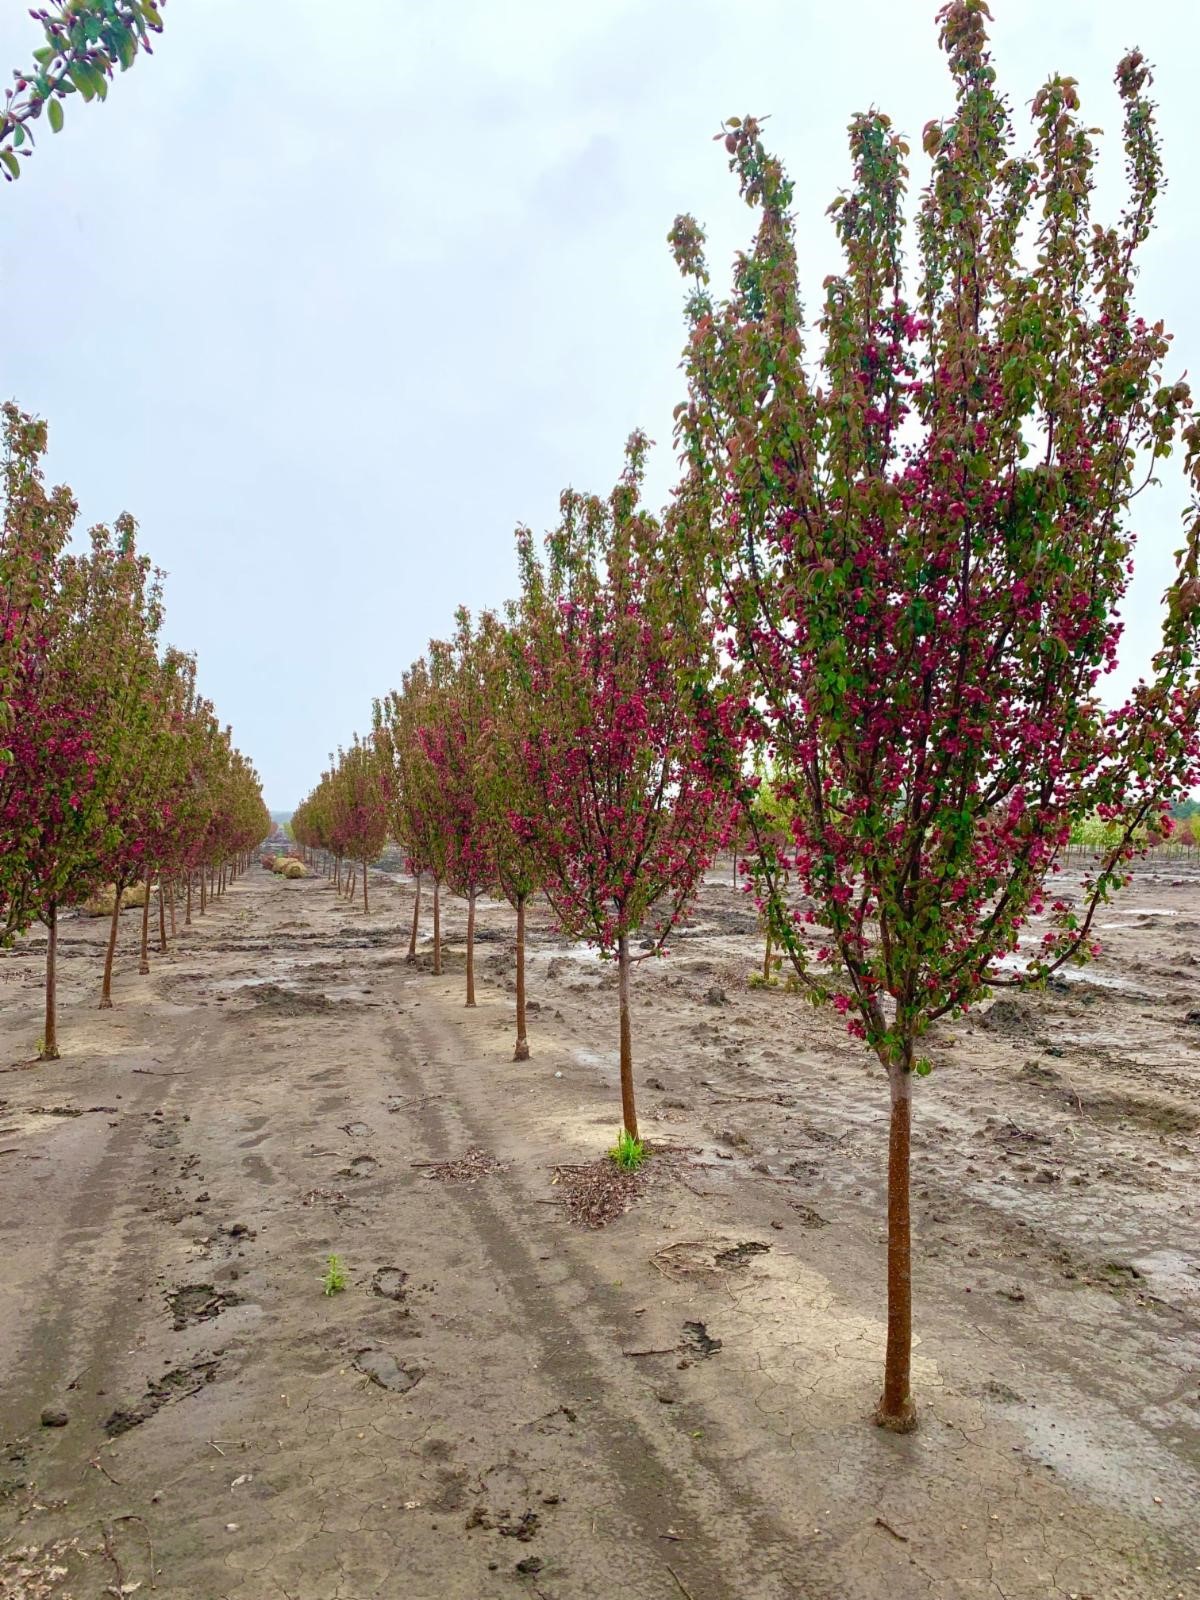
x=330, y=296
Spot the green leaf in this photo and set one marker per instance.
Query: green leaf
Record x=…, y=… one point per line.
x=923, y=1067
x=44, y=56
x=82, y=79
x=54, y=111
x=11, y=162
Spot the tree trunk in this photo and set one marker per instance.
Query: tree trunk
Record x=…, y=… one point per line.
x=366, y=902
x=106, y=987
x=521, y=1053
x=471, y=948
x=896, y=1410
x=628, y=1108
x=203, y=901
x=171, y=899
x=412, y=940
x=50, y=1034
x=144, y=963
x=187, y=921
x=437, y=928
x=162, y=917
x=767, y=958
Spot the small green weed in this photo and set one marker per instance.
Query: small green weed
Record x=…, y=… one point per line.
x=334, y=1280
x=628, y=1152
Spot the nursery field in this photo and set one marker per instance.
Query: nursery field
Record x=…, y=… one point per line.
x=505, y=1399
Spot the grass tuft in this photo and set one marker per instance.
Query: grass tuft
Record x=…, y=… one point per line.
x=628, y=1153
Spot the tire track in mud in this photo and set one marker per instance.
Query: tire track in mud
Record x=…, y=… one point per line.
x=648, y=1466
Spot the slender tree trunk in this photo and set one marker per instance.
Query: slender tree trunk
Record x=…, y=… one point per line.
x=106, y=987
x=144, y=963
x=171, y=899
x=50, y=1033
x=187, y=921
x=203, y=901
x=521, y=1053
x=471, y=947
x=437, y=928
x=366, y=902
x=412, y=938
x=162, y=917
x=896, y=1410
x=628, y=1107
x=767, y=959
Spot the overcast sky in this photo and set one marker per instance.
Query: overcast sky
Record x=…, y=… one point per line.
x=331, y=296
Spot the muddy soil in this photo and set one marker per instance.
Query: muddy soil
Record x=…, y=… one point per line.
x=504, y=1400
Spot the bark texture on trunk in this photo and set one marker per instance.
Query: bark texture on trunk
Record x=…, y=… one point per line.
x=50, y=1032
x=171, y=899
x=896, y=1410
x=412, y=938
x=628, y=1107
x=162, y=918
x=521, y=1053
x=437, y=928
x=203, y=895
x=106, y=987
x=471, y=948
x=144, y=963
x=366, y=902
x=187, y=921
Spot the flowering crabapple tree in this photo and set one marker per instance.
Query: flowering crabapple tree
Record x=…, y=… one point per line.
x=503, y=784
x=916, y=545
x=417, y=821
x=85, y=41
x=622, y=814
x=452, y=736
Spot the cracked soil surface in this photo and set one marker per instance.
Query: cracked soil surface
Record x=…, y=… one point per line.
x=503, y=1402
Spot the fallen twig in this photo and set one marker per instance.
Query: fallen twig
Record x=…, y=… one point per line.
x=887, y=1528
x=683, y=1588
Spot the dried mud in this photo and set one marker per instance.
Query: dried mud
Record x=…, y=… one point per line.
x=672, y=1399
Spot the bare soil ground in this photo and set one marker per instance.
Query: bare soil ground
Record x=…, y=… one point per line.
x=505, y=1401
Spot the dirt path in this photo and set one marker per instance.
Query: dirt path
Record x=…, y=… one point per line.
x=476, y=1416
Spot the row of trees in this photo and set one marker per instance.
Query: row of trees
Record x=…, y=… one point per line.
x=113, y=768
x=890, y=580
x=558, y=749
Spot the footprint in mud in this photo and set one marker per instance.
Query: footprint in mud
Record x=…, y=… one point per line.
x=199, y=1302
x=387, y=1372
x=698, y=1342
x=174, y=1385
x=389, y=1282
x=258, y=1168
x=360, y=1167
x=329, y=1075
x=356, y=1130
